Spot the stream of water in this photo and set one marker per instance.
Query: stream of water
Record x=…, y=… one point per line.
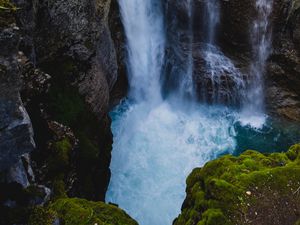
x=261, y=35
x=157, y=140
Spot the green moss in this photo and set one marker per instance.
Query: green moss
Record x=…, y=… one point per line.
x=67, y=105
x=62, y=150
x=213, y=217
x=58, y=165
x=59, y=189
x=294, y=153
x=90, y=149
x=230, y=187
x=7, y=5
x=40, y=215
x=60, y=156
x=81, y=212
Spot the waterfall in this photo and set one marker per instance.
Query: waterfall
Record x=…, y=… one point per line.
x=261, y=47
x=213, y=18
x=261, y=36
x=223, y=82
x=159, y=140
x=186, y=84
x=144, y=28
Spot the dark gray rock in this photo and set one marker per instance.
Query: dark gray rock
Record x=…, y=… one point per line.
x=283, y=80
x=43, y=196
x=17, y=174
x=27, y=162
x=79, y=31
x=16, y=134
x=283, y=74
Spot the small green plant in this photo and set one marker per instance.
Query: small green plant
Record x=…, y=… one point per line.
x=6, y=5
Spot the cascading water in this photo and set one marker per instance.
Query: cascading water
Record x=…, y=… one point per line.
x=159, y=140
x=225, y=82
x=186, y=84
x=261, y=36
x=213, y=13
x=145, y=47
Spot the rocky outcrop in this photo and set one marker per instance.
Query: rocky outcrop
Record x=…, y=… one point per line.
x=16, y=134
x=62, y=61
x=283, y=79
x=76, y=32
x=71, y=76
x=283, y=74
x=79, y=211
x=250, y=189
x=215, y=77
x=233, y=36
x=116, y=27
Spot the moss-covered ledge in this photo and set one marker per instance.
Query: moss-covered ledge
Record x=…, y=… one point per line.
x=250, y=189
x=75, y=211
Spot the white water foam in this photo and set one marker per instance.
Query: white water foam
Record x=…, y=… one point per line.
x=154, y=151
x=253, y=120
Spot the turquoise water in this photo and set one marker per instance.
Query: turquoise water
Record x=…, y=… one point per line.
x=277, y=135
x=156, y=147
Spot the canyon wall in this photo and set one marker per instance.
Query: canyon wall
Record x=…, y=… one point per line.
x=62, y=68
x=283, y=75
x=233, y=37
x=59, y=79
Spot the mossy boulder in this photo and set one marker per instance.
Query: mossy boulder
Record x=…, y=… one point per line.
x=41, y=215
x=74, y=211
x=250, y=189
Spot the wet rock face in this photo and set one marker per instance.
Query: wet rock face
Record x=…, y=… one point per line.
x=235, y=26
x=283, y=72
x=233, y=36
x=118, y=35
x=236, y=21
x=295, y=23
x=66, y=68
x=214, y=75
x=282, y=75
x=79, y=31
x=71, y=76
x=16, y=134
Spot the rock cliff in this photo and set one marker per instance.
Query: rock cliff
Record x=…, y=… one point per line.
x=59, y=70
x=232, y=34
x=16, y=134
x=283, y=75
